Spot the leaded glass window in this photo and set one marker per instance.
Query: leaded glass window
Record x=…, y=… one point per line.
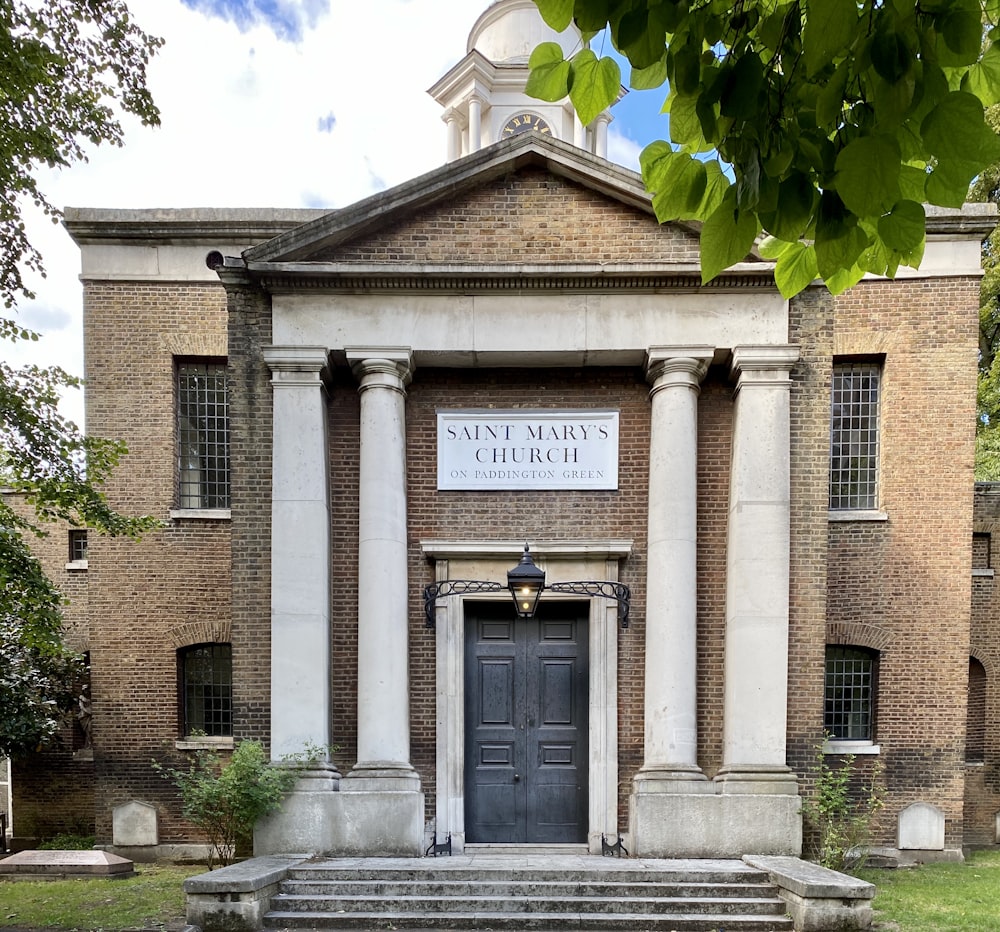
x=202, y=435
x=207, y=689
x=849, y=693
x=854, y=436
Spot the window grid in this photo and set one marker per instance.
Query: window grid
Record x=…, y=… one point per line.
x=77, y=546
x=202, y=436
x=848, y=694
x=207, y=687
x=854, y=423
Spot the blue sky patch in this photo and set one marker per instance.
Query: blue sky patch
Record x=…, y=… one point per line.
x=287, y=19
x=326, y=123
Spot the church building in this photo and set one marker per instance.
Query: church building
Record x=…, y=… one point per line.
x=746, y=522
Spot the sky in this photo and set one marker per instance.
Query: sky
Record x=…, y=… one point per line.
x=270, y=103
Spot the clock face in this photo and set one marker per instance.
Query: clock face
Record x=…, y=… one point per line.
x=523, y=122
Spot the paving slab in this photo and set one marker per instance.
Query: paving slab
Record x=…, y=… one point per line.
x=55, y=865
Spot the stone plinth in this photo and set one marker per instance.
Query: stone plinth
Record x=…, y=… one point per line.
x=54, y=865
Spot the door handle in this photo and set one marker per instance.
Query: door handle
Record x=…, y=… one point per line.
x=517, y=778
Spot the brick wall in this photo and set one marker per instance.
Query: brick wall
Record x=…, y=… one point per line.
x=173, y=588
x=982, y=776
x=902, y=584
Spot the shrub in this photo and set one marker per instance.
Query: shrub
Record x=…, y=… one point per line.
x=65, y=841
x=227, y=800
x=841, y=811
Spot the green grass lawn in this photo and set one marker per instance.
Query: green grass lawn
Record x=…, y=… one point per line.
x=933, y=898
x=150, y=899
x=940, y=897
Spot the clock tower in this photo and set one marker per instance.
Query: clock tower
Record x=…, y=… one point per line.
x=483, y=95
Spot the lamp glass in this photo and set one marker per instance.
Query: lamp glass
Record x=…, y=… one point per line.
x=526, y=582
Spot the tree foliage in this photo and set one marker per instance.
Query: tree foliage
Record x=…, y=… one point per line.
x=837, y=119
x=68, y=70
x=67, y=67
x=987, y=188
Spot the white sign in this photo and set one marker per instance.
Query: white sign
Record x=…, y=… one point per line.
x=527, y=449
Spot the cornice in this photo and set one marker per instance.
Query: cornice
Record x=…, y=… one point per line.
x=450, y=281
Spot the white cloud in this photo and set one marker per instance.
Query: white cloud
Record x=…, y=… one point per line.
x=251, y=120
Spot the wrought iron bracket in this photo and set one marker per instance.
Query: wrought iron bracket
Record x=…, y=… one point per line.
x=447, y=587
x=593, y=588
x=602, y=589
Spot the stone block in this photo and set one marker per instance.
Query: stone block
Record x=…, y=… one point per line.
x=235, y=898
x=675, y=825
x=819, y=899
x=921, y=827
x=134, y=824
x=55, y=864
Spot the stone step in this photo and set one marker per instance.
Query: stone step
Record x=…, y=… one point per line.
x=525, y=922
x=522, y=905
x=540, y=888
x=624, y=874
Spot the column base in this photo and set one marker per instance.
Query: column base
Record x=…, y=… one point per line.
x=672, y=778
x=714, y=824
x=381, y=775
x=302, y=826
x=755, y=779
x=376, y=811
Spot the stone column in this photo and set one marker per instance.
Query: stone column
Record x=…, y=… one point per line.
x=601, y=135
x=382, y=806
x=758, y=552
x=475, y=123
x=383, y=672
x=579, y=132
x=300, y=599
x=671, y=649
x=454, y=134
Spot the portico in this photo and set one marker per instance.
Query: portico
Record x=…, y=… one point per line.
x=328, y=315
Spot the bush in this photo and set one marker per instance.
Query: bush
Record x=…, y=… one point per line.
x=68, y=842
x=227, y=800
x=841, y=812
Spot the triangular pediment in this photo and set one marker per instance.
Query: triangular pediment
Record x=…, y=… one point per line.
x=528, y=201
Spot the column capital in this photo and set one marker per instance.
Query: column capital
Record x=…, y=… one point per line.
x=677, y=365
x=386, y=366
x=763, y=360
x=296, y=365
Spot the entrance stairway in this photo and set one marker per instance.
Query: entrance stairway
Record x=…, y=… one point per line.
x=543, y=893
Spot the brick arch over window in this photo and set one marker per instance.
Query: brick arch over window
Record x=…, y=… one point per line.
x=78, y=642
x=200, y=632
x=859, y=634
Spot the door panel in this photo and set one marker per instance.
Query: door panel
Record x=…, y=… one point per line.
x=526, y=725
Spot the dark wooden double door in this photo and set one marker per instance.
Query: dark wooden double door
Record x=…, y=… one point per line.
x=526, y=705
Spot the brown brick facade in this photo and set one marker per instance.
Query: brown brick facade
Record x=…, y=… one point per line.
x=898, y=584
x=982, y=759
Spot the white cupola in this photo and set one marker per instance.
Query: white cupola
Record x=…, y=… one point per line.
x=483, y=95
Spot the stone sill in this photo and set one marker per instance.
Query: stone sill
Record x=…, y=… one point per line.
x=984, y=572
x=206, y=743
x=872, y=515
x=76, y=565
x=201, y=514
x=857, y=748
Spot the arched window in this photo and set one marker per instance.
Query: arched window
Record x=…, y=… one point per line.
x=975, y=721
x=206, y=689
x=849, y=693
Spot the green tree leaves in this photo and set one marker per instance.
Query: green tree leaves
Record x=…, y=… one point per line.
x=67, y=71
x=835, y=119
x=588, y=80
